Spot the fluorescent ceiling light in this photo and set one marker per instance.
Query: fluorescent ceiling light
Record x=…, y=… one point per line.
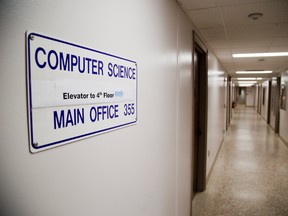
x=251, y=55
x=247, y=82
x=246, y=78
x=253, y=72
x=245, y=85
x=249, y=78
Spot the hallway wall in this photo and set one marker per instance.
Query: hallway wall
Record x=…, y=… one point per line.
x=283, y=128
x=184, y=115
x=142, y=170
x=216, y=109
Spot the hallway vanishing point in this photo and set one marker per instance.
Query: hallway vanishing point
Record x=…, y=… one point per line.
x=250, y=175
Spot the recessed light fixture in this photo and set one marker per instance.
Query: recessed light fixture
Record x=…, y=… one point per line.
x=252, y=55
x=247, y=82
x=254, y=72
x=245, y=85
x=249, y=78
x=246, y=78
x=255, y=16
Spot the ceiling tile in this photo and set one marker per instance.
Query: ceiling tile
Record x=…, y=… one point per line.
x=282, y=68
x=240, y=2
x=278, y=49
x=202, y=18
x=280, y=41
x=249, y=65
x=273, y=12
x=229, y=66
x=255, y=31
x=241, y=67
x=251, y=43
x=219, y=44
x=213, y=34
x=268, y=64
x=249, y=49
x=196, y=4
x=223, y=54
x=238, y=33
x=283, y=32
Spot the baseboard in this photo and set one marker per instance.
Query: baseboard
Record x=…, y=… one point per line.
x=215, y=159
x=283, y=140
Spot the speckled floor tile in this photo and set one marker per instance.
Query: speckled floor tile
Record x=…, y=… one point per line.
x=250, y=176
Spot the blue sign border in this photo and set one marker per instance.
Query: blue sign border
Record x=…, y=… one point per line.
x=29, y=37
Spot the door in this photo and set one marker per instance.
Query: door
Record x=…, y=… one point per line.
x=199, y=145
x=228, y=102
x=277, y=105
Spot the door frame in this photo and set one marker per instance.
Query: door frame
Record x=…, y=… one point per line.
x=269, y=101
x=277, y=104
x=200, y=109
x=228, y=102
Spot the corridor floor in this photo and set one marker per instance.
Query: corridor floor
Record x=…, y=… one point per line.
x=250, y=176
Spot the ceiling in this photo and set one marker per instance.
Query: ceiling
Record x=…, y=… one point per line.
x=225, y=27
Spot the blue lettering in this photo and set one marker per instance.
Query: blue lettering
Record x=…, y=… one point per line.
x=58, y=120
x=72, y=118
x=36, y=57
x=49, y=59
x=88, y=65
x=115, y=71
x=69, y=62
x=115, y=111
x=64, y=64
x=110, y=69
x=121, y=71
x=104, y=112
x=80, y=116
x=93, y=114
x=133, y=74
x=100, y=67
x=98, y=112
x=81, y=70
x=69, y=119
x=73, y=61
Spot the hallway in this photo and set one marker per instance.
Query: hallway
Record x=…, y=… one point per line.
x=250, y=176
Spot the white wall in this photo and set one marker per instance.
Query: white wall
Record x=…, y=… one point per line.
x=142, y=170
x=283, y=128
x=216, y=109
x=185, y=92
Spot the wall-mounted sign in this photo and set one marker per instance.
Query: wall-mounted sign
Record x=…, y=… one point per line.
x=76, y=92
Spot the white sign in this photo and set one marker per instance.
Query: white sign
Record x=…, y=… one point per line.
x=76, y=92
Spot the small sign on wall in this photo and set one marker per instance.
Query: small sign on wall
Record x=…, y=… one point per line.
x=76, y=92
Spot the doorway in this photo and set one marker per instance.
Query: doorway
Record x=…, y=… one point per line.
x=199, y=146
x=241, y=97
x=228, y=102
